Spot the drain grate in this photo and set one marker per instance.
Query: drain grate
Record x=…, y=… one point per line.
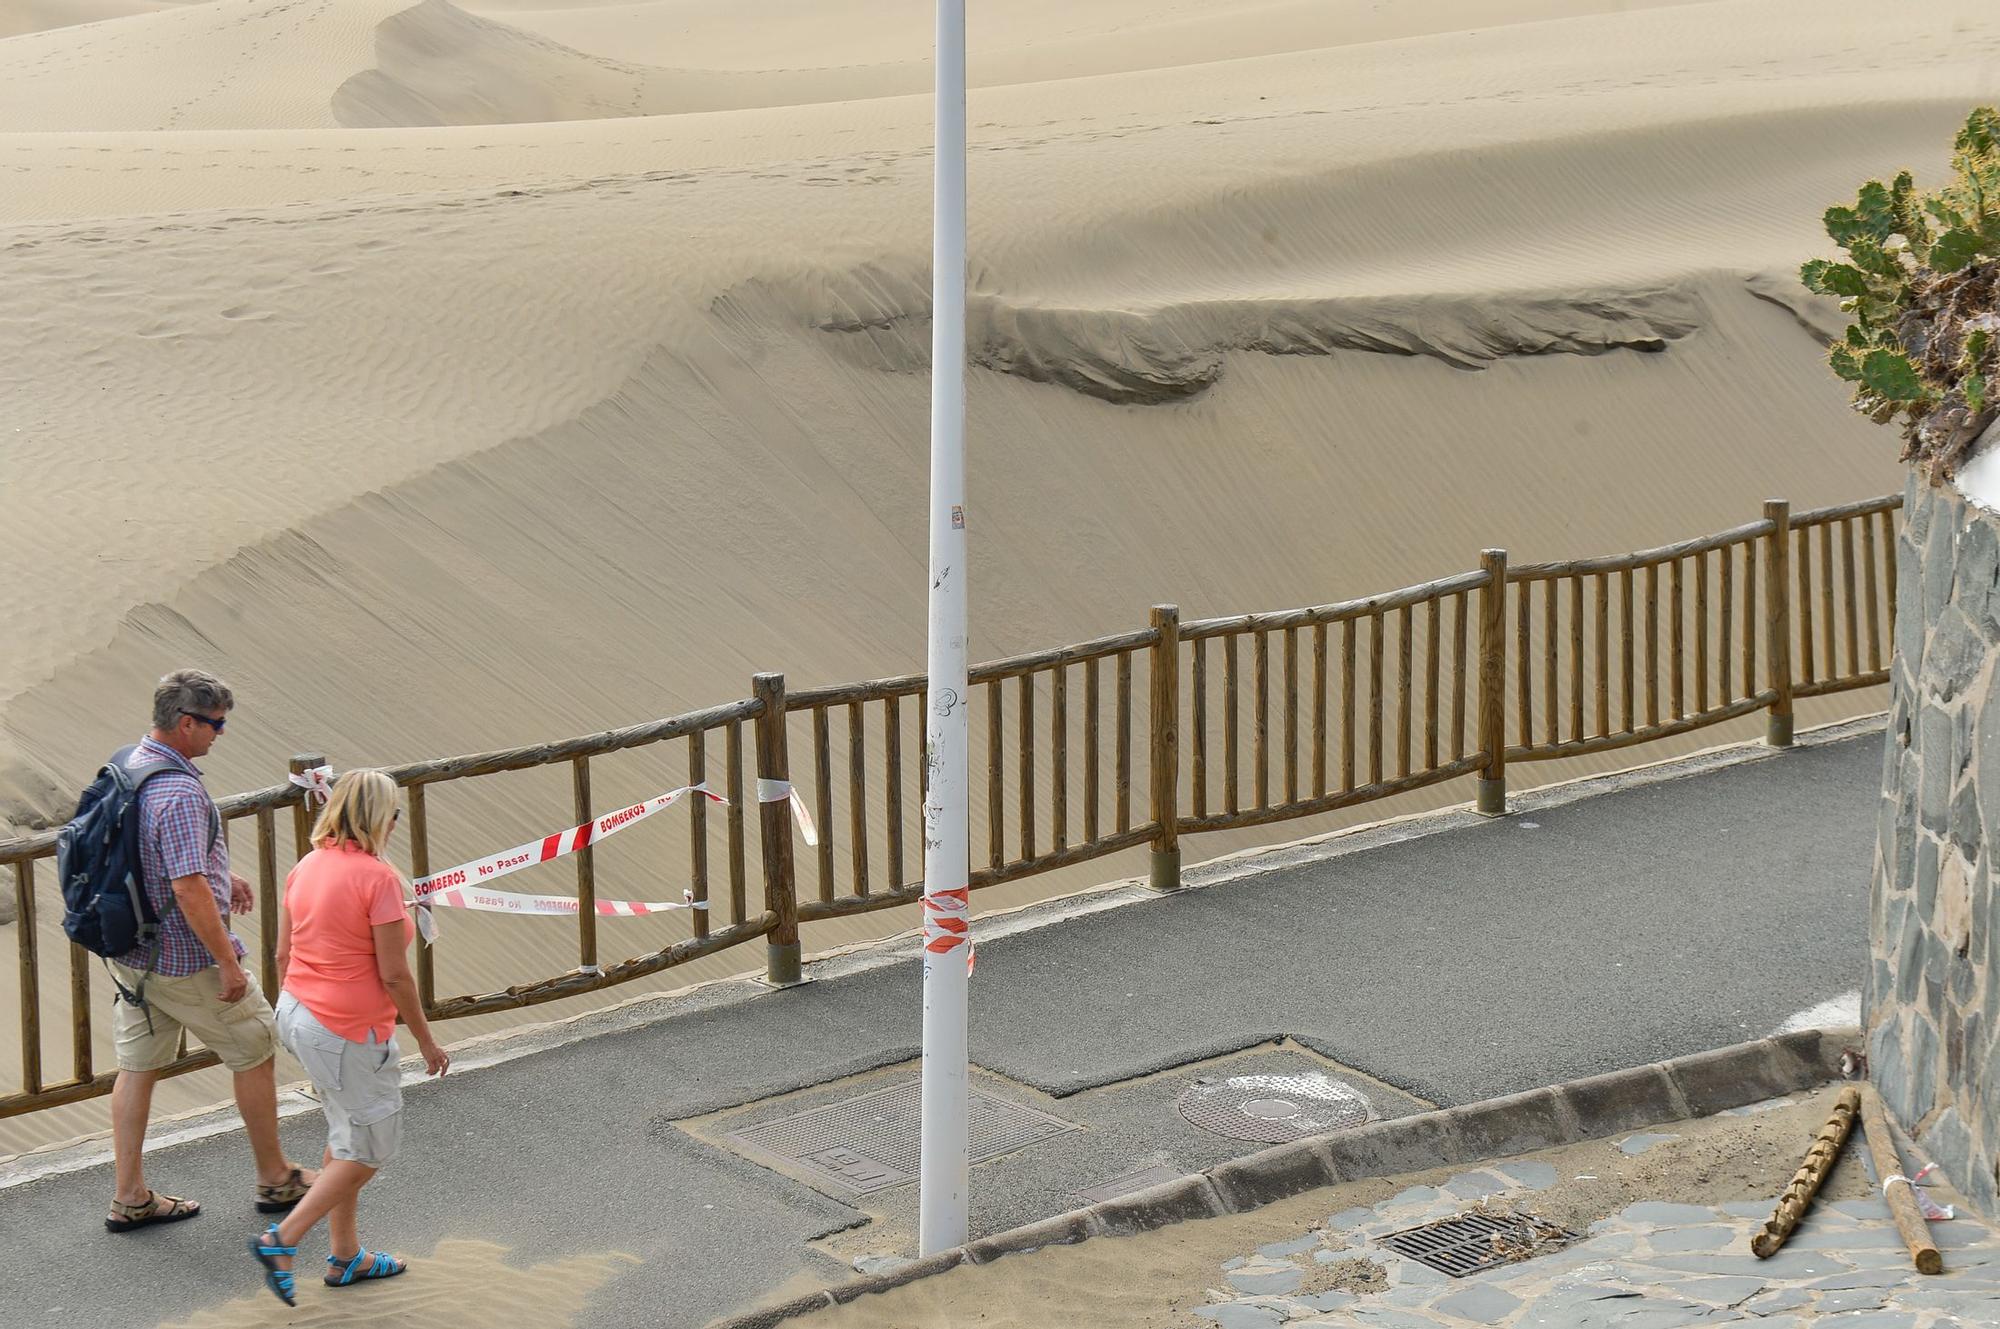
x=872, y=1141
x=1475, y=1241
x=1273, y=1109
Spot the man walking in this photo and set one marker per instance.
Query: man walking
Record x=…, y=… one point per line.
x=191, y=976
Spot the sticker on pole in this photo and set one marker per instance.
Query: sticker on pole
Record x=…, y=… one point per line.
x=947, y=923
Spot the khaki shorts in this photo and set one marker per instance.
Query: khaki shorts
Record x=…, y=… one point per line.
x=360, y=1084
x=242, y=1032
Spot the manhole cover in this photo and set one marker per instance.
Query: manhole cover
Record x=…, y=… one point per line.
x=871, y=1142
x=1475, y=1241
x=1274, y=1109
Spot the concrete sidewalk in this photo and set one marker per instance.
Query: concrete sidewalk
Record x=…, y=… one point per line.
x=1647, y=1263
x=1456, y=960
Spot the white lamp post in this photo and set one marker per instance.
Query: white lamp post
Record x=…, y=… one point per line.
x=943, y=1180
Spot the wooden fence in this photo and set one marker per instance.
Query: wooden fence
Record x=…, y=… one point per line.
x=1372, y=698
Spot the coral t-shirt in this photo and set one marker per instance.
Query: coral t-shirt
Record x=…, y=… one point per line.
x=336, y=896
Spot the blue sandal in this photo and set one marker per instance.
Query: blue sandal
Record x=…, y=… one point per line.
x=381, y=1264
x=267, y=1249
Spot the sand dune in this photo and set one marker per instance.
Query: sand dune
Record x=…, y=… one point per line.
x=885, y=44
x=499, y=63
x=25, y=16
x=439, y=65
x=457, y=431
x=227, y=64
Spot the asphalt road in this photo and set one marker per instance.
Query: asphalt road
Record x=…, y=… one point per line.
x=1617, y=930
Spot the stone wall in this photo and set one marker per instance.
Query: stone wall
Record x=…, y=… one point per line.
x=1931, y=1005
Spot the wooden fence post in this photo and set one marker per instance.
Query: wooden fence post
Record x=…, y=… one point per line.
x=31, y=975
x=1778, y=620
x=420, y=866
x=302, y=812
x=1166, y=758
x=1493, y=683
x=586, y=871
x=303, y=817
x=267, y=900
x=781, y=951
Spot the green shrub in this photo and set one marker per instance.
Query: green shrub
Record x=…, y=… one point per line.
x=1922, y=281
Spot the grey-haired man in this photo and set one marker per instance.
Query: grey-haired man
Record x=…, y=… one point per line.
x=192, y=976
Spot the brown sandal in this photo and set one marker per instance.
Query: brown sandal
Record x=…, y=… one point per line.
x=280, y=1198
x=132, y=1217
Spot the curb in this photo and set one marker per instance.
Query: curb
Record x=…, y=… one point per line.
x=1698, y=1085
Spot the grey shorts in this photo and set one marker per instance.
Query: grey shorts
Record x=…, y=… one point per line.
x=360, y=1085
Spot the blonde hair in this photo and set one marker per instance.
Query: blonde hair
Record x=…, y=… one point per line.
x=362, y=810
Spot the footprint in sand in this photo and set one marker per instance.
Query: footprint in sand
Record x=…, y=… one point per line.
x=461, y=1285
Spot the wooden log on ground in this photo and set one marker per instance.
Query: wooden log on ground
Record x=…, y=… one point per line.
x=1805, y=1183
x=1902, y=1204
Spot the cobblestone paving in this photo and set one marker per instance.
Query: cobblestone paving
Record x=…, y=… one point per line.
x=1653, y=1266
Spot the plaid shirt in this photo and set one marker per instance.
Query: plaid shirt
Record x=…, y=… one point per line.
x=177, y=822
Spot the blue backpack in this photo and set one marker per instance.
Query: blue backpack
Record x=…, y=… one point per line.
x=105, y=909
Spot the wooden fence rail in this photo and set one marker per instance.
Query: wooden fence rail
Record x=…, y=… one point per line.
x=1248, y=720
x=1369, y=734
x=1057, y=701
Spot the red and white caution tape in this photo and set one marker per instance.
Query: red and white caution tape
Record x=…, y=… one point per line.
x=317, y=781
x=781, y=791
x=506, y=902
x=462, y=887
x=1931, y=1209
x=947, y=923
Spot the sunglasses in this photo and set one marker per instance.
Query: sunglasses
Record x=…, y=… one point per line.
x=214, y=724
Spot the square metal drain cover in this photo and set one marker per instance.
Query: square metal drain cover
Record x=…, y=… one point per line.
x=871, y=1142
x=1475, y=1241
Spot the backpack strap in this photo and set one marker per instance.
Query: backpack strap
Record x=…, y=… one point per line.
x=137, y=774
x=124, y=772
x=146, y=770
x=131, y=996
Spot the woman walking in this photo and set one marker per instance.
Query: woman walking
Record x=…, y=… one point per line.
x=343, y=934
